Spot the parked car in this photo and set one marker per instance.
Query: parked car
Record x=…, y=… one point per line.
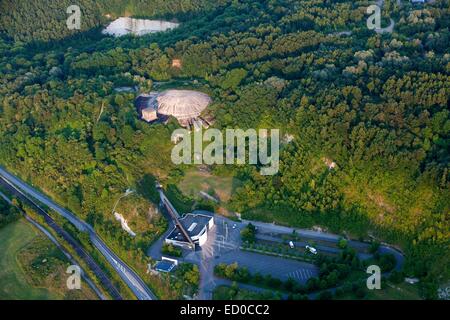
x=291, y=244
x=311, y=249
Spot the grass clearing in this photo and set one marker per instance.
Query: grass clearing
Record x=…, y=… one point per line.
x=33, y=268
x=13, y=282
x=402, y=291
x=235, y=293
x=388, y=291
x=220, y=187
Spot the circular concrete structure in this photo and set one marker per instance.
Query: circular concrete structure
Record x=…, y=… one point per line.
x=182, y=104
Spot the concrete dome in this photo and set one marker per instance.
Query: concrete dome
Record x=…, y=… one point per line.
x=182, y=104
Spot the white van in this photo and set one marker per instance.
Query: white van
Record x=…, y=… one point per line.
x=311, y=249
x=291, y=244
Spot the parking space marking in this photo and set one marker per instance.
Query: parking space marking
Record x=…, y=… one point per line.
x=300, y=274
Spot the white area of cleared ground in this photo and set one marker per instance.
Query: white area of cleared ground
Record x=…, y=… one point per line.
x=124, y=25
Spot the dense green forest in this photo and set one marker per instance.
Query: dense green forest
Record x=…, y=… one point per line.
x=375, y=104
x=44, y=20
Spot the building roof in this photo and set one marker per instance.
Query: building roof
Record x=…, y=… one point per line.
x=193, y=224
x=145, y=101
x=176, y=63
x=164, y=266
x=182, y=104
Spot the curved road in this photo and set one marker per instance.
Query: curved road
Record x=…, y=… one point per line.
x=133, y=281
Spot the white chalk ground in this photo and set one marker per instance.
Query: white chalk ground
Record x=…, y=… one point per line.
x=124, y=223
x=124, y=25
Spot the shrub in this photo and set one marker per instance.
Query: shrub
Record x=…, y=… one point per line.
x=374, y=247
x=171, y=250
x=342, y=243
x=325, y=295
x=248, y=234
x=396, y=277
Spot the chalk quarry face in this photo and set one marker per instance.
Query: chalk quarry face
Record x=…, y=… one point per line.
x=124, y=25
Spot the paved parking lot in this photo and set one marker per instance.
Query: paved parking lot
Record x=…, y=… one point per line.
x=275, y=266
x=223, y=247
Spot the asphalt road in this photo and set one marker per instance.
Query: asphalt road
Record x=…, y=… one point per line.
x=329, y=237
x=133, y=281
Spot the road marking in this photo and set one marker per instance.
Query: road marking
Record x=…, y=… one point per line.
x=224, y=245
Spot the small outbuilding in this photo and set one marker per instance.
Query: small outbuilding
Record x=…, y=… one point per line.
x=146, y=107
x=165, y=265
x=176, y=63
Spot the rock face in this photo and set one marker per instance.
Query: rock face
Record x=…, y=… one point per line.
x=124, y=223
x=123, y=26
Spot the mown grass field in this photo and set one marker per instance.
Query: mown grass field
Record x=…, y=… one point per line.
x=13, y=283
